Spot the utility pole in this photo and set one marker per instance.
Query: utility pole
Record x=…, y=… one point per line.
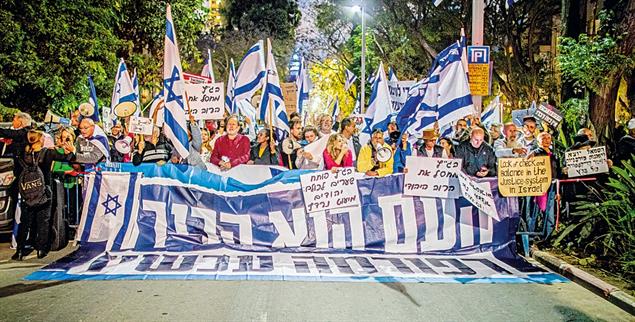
x=363, y=80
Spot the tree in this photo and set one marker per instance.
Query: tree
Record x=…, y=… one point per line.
x=277, y=17
x=48, y=50
x=599, y=62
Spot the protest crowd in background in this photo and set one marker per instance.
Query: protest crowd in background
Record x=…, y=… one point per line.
x=379, y=143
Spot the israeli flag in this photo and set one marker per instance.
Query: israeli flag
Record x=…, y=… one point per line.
x=272, y=108
x=447, y=96
x=251, y=73
x=358, y=105
x=415, y=96
x=392, y=76
x=100, y=140
x=231, y=81
x=336, y=108
x=380, y=104
x=175, y=128
x=135, y=87
x=109, y=201
x=492, y=113
x=350, y=79
x=303, y=83
x=156, y=110
x=123, y=90
x=92, y=99
x=208, y=69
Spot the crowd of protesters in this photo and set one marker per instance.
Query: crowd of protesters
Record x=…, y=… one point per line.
x=235, y=141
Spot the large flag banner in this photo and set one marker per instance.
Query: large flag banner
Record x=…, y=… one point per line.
x=175, y=128
x=251, y=73
x=181, y=222
x=272, y=109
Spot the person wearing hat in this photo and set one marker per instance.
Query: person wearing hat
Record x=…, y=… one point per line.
x=626, y=144
x=429, y=148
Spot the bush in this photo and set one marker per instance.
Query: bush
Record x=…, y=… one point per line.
x=606, y=227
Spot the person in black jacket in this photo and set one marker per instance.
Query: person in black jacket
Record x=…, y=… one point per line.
x=478, y=157
x=261, y=150
x=35, y=220
x=156, y=150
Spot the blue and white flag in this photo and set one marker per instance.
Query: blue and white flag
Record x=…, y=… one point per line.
x=518, y=115
x=230, y=105
x=358, y=105
x=437, y=2
x=447, y=96
x=392, y=76
x=350, y=79
x=492, y=113
x=251, y=73
x=336, y=108
x=100, y=140
x=272, y=108
x=208, y=69
x=111, y=198
x=303, y=83
x=380, y=104
x=92, y=99
x=135, y=87
x=175, y=128
x=156, y=110
x=510, y=3
x=123, y=90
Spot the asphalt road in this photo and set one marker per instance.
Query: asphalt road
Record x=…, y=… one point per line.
x=287, y=301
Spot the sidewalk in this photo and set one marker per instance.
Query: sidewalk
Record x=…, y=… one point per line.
x=590, y=282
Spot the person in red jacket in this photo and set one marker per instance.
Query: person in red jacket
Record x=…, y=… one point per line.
x=231, y=149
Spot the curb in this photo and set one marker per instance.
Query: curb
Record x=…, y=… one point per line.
x=590, y=282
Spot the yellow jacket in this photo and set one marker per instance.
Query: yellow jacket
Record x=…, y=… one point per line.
x=365, y=161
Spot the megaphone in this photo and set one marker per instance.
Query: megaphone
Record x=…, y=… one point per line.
x=383, y=153
x=86, y=109
x=51, y=117
x=123, y=145
x=125, y=109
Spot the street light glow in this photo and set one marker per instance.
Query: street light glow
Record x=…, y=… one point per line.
x=356, y=8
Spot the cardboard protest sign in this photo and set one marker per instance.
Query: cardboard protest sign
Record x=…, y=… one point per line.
x=548, y=114
x=524, y=177
x=290, y=95
x=206, y=101
x=432, y=177
x=140, y=125
x=586, y=162
x=478, y=194
x=327, y=190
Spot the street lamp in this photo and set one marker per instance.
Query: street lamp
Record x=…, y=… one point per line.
x=360, y=8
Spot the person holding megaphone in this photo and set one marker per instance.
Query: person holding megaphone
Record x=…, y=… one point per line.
x=376, y=157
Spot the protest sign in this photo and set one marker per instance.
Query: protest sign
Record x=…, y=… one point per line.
x=206, y=101
x=432, y=177
x=328, y=190
x=586, y=162
x=548, y=114
x=524, y=177
x=478, y=194
x=140, y=125
x=399, y=93
x=290, y=95
x=195, y=79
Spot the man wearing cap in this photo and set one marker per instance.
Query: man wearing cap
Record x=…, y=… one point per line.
x=626, y=145
x=429, y=148
x=478, y=157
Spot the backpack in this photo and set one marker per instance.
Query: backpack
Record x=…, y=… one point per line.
x=31, y=182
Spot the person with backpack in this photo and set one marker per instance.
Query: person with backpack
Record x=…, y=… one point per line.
x=34, y=184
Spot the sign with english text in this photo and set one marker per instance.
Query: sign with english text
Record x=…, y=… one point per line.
x=521, y=177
